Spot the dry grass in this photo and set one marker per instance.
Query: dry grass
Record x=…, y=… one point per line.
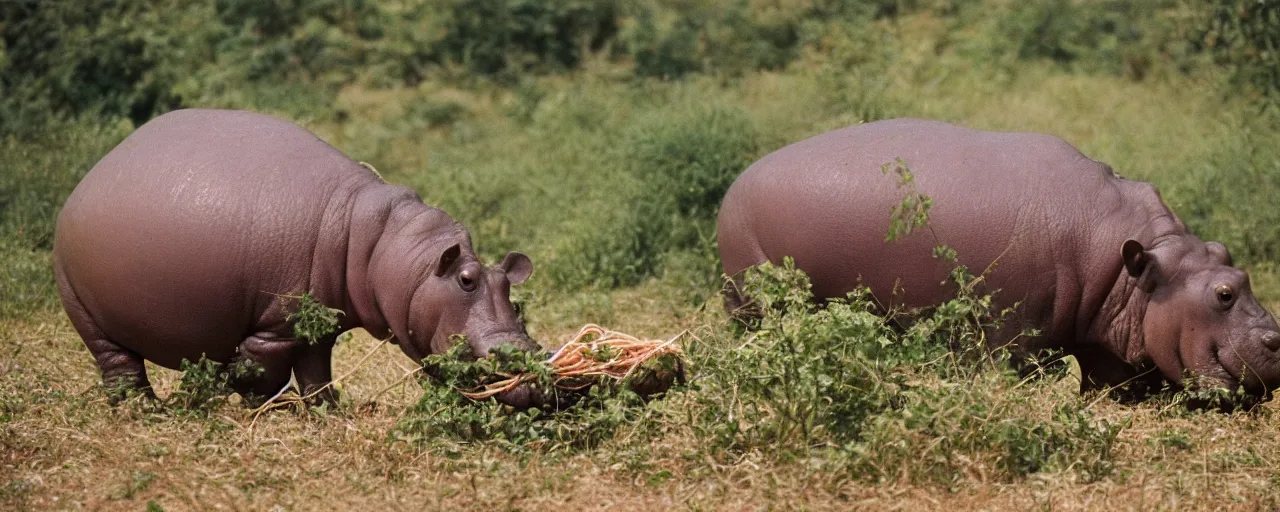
x=64, y=448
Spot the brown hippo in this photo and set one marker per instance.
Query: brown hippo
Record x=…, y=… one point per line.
x=1101, y=266
x=188, y=238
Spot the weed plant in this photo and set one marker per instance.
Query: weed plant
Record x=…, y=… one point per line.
x=206, y=385
x=312, y=320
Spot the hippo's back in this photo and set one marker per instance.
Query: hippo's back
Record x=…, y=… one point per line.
x=171, y=238
x=1026, y=199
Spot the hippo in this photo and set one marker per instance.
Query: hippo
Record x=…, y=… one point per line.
x=197, y=234
x=1094, y=262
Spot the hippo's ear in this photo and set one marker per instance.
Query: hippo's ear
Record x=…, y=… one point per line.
x=1219, y=251
x=1135, y=257
x=447, y=259
x=517, y=266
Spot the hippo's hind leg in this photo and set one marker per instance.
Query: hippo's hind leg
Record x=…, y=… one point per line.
x=739, y=307
x=263, y=365
x=123, y=370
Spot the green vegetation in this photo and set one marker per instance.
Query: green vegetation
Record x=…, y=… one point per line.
x=1244, y=37
x=598, y=136
x=312, y=320
x=442, y=418
x=888, y=403
x=206, y=385
x=838, y=383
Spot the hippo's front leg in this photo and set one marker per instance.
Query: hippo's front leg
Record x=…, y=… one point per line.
x=1100, y=370
x=275, y=356
x=314, y=369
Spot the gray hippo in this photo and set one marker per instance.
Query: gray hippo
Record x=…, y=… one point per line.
x=191, y=236
x=1100, y=264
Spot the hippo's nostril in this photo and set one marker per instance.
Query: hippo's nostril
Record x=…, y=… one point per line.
x=1271, y=340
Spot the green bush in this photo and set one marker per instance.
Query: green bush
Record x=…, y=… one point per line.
x=443, y=419
x=1229, y=196
x=677, y=170
x=691, y=160
x=206, y=386
x=941, y=432
x=493, y=36
x=671, y=39
x=1066, y=31
x=619, y=248
x=1097, y=36
x=98, y=59
x=842, y=377
x=810, y=375
x=1244, y=36
x=136, y=59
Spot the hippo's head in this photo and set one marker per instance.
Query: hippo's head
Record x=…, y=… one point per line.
x=1202, y=316
x=460, y=295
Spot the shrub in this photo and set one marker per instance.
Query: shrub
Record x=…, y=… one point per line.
x=1244, y=37
x=494, y=36
x=109, y=59
x=1228, y=197
x=206, y=385
x=312, y=320
x=442, y=418
x=691, y=160
x=1098, y=36
x=671, y=40
x=679, y=169
x=841, y=377
x=945, y=431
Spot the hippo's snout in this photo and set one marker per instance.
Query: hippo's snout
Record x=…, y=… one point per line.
x=528, y=396
x=1253, y=361
x=487, y=344
x=525, y=396
x=522, y=397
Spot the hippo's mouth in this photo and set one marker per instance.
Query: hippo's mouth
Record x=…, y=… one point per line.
x=1229, y=376
x=1219, y=371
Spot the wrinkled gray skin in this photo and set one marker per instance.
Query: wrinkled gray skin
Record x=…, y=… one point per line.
x=1103, y=268
x=183, y=239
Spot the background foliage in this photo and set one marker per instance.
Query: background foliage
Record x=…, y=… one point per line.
x=598, y=136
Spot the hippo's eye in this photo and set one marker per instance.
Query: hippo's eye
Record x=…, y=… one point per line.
x=467, y=280
x=1225, y=294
